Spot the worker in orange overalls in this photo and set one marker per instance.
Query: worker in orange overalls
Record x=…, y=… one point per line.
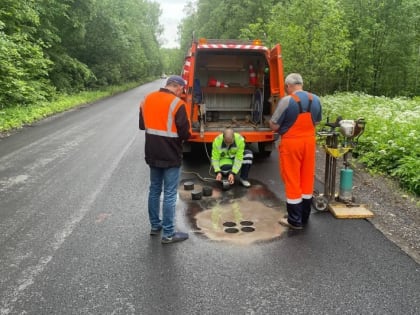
x=294, y=119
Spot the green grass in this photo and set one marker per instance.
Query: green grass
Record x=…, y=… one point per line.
x=16, y=117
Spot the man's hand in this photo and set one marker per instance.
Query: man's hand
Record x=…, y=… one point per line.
x=231, y=178
x=219, y=176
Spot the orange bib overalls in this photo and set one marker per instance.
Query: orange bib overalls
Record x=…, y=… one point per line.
x=297, y=163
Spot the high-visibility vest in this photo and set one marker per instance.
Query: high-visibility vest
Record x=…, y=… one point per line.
x=159, y=112
x=222, y=155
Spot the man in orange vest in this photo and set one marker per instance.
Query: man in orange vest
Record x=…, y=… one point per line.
x=294, y=119
x=164, y=118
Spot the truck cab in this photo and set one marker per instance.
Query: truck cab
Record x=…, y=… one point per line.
x=232, y=83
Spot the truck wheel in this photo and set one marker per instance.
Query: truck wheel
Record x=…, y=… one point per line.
x=257, y=107
x=262, y=150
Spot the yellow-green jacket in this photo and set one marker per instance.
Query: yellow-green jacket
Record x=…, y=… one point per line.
x=222, y=155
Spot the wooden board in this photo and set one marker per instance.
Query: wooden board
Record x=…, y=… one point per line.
x=341, y=211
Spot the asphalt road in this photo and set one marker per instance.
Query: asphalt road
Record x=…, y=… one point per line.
x=74, y=235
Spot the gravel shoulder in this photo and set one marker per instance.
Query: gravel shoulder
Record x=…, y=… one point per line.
x=396, y=213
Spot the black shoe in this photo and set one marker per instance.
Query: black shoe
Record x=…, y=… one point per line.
x=176, y=237
x=154, y=232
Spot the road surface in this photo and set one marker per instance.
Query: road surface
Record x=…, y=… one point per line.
x=74, y=234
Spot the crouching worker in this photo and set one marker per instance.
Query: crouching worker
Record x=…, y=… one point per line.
x=230, y=158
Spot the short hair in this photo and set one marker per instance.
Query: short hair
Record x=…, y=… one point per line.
x=228, y=134
x=293, y=78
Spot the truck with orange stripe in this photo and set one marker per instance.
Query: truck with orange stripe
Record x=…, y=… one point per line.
x=232, y=83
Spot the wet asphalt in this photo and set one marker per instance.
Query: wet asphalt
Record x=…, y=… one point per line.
x=74, y=235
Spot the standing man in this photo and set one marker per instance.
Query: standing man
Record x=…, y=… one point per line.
x=229, y=157
x=294, y=119
x=164, y=117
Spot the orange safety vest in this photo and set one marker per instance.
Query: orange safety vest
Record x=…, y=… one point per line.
x=159, y=112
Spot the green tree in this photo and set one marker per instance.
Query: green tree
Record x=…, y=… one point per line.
x=314, y=40
x=23, y=66
x=63, y=29
x=385, y=36
x=223, y=19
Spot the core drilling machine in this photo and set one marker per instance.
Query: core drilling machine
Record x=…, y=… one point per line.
x=338, y=144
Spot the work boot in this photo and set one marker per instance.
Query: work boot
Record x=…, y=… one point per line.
x=306, y=210
x=285, y=222
x=294, y=212
x=245, y=182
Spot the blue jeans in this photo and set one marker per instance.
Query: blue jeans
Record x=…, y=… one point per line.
x=166, y=178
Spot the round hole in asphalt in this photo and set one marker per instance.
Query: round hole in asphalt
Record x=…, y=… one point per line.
x=231, y=230
x=247, y=223
x=229, y=224
x=247, y=229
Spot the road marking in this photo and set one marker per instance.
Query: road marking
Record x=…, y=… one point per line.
x=28, y=275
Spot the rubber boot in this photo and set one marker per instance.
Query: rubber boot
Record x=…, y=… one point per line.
x=306, y=210
x=294, y=213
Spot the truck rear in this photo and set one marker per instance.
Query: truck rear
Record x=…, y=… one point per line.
x=235, y=84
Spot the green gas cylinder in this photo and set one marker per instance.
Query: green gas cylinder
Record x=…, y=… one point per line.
x=346, y=184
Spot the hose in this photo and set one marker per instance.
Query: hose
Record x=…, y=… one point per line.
x=204, y=179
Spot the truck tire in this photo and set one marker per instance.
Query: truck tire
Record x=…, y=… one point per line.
x=262, y=149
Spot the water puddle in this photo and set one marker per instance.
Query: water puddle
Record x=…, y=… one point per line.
x=239, y=215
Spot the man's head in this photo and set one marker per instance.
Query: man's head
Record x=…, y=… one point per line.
x=228, y=136
x=176, y=84
x=293, y=82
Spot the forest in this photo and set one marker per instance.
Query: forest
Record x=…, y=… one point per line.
x=67, y=46
x=55, y=49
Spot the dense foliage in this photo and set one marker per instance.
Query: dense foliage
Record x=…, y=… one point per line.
x=391, y=141
x=337, y=45
x=72, y=45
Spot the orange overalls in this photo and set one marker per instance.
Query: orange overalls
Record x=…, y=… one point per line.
x=297, y=164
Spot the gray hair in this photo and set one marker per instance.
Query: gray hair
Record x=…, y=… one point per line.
x=294, y=78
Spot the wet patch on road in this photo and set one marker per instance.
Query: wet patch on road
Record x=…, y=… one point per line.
x=239, y=215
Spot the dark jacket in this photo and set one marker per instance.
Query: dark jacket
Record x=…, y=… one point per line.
x=164, y=151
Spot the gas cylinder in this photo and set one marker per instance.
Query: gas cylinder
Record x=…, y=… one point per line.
x=346, y=184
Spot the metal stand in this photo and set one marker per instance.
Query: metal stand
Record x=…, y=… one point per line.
x=329, y=200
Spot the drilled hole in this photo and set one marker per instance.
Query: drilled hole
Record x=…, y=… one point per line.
x=229, y=224
x=247, y=229
x=231, y=230
x=247, y=223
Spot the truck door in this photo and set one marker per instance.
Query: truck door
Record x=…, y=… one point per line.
x=276, y=72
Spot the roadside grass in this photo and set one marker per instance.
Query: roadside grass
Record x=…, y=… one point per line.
x=16, y=117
